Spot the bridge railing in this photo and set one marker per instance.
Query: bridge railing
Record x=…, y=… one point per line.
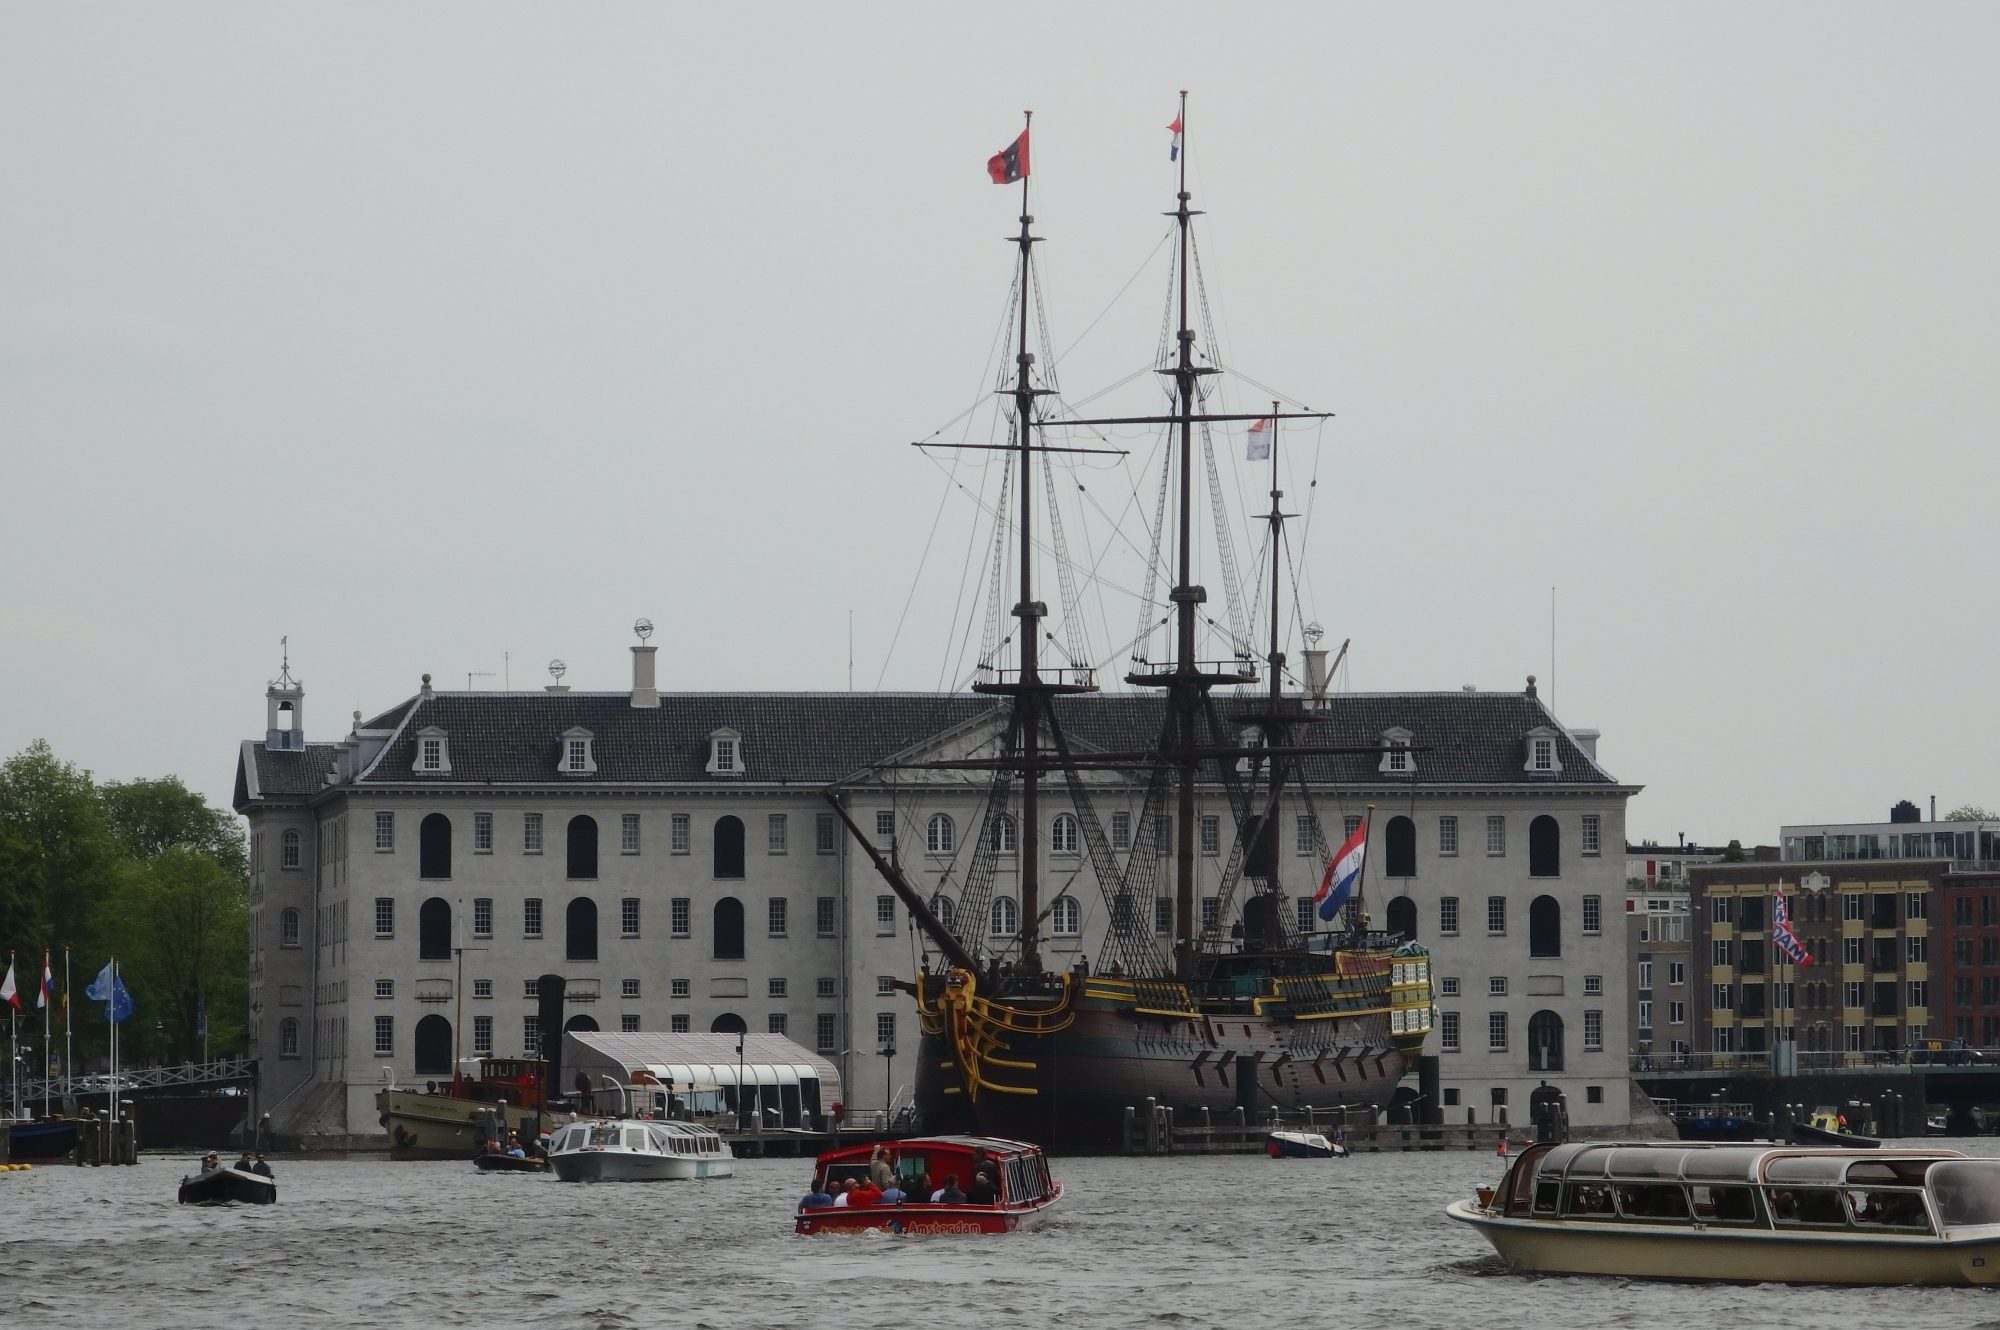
x=1803, y=1063
x=220, y=1071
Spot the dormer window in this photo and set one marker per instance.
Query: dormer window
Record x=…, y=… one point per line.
x=578, y=759
x=433, y=754
x=1542, y=759
x=725, y=753
x=1396, y=756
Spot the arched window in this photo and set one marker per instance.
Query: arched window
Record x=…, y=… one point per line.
x=433, y=1046
x=728, y=846
x=1003, y=835
x=940, y=835
x=947, y=913
x=1545, y=926
x=1545, y=1042
x=1062, y=834
x=291, y=850
x=1544, y=847
x=583, y=847
x=288, y=1037
x=580, y=930
x=434, y=847
x=729, y=929
x=1399, y=848
x=1402, y=917
x=434, y=930
x=288, y=928
x=728, y=1023
x=585, y=1024
x=1006, y=917
x=1065, y=917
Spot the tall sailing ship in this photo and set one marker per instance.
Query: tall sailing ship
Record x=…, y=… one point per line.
x=1262, y=1013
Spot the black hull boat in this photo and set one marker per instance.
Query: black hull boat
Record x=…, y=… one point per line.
x=506, y=1163
x=50, y=1138
x=228, y=1186
x=1805, y=1134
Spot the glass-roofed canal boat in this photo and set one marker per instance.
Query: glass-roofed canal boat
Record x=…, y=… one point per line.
x=1747, y=1213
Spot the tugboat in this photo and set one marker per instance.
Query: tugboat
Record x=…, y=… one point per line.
x=445, y=1122
x=1279, y=1014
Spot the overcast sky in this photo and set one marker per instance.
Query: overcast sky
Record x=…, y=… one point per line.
x=430, y=334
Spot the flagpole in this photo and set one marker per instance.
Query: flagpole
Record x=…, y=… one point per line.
x=1361, y=876
x=110, y=1012
x=42, y=993
x=68, y=1066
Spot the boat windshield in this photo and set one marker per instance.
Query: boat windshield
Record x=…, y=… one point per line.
x=1967, y=1191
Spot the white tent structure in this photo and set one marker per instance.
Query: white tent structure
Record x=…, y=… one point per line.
x=780, y=1082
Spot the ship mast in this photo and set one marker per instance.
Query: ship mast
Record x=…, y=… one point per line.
x=1275, y=729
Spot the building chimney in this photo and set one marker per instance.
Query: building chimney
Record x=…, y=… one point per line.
x=425, y=691
x=1933, y=808
x=1587, y=741
x=1531, y=685
x=644, y=694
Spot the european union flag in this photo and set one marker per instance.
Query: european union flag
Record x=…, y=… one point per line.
x=109, y=989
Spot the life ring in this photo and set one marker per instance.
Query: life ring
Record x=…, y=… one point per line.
x=404, y=1137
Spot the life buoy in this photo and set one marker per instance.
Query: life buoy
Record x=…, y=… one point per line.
x=405, y=1138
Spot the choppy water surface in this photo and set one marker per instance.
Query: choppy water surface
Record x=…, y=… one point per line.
x=1239, y=1241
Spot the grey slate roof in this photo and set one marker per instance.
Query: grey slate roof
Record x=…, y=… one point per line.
x=817, y=738
x=284, y=774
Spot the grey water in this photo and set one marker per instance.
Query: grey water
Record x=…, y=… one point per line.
x=1237, y=1241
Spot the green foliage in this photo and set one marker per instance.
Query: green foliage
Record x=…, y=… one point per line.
x=144, y=870
x=1971, y=813
x=1732, y=853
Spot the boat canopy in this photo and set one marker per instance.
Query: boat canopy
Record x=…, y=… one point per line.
x=1692, y=1162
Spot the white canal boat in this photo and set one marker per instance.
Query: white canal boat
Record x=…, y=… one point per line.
x=638, y=1150
x=1745, y=1213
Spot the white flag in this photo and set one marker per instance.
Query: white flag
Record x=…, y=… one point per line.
x=8, y=993
x=1260, y=441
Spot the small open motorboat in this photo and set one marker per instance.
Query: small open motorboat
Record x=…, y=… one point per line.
x=1829, y=1128
x=1026, y=1191
x=495, y=1161
x=1745, y=1213
x=224, y=1186
x=1303, y=1145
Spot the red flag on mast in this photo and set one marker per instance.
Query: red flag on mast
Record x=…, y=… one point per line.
x=1010, y=163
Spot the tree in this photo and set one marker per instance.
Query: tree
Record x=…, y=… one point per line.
x=1971, y=813
x=1732, y=853
x=182, y=928
x=54, y=807
x=148, y=816
x=23, y=911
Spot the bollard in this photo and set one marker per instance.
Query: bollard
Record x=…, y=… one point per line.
x=1131, y=1128
x=1152, y=1125
x=1166, y=1130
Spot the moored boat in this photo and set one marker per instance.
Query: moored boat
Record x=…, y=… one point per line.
x=1024, y=1191
x=446, y=1122
x=41, y=1138
x=1755, y=1214
x=1303, y=1145
x=226, y=1186
x=638, y=1150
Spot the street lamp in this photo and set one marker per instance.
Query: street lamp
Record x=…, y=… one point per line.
x=888, y=1082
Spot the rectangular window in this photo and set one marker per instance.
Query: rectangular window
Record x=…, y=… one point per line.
x=1349, y=825
x=678, y=988
x=385, y=988
x=1448, y=987
x=385, y=832
x=531, y=833
x=1211, y=834
x=628, y=1023
x=680, y=834
x=775, y=988
x=1677, y=1013
x=776, y=833
x=531, y=989
x=1918, y=948
x=1447, y=836
x=1593, y=1030
x=885, y=916
x=1497, y=986
x=385, y=916
x=628, y=833
x=826, y=833
x=1593, y=915
x=1853, y=950
x=826, y=916
x=679, y=1023
x=1721, y=998
x=628, y=917
x=775, y=1022
x=1545, y=755
x=826, y=1032
x=1496, y=835
x=433, y=755
x=1448, y=915
x=885, y=826
x=1852, y=993
x=1677, y=973
x=1593, y=834
x=1306, y=919
x=482, y=988
x=578, y=754
x=1163, y=916
x=1920, y=993
x=725, y=754
x=385, y=1036
x=1645, y=1015
x=1645, y=975
x=1496, y=915
x=824, y=987
x=885, y=1029
x=1719, y=909
x=482, y=833
x=628, y=988
x=680, y=915
x=776, y=916
x=885, y=985
x=1306, y=840
x=482, y=916
x=1121, y=830
x=1722, y=952
x=1593, y=985
x=1496, y=1031
x=482, y=1035
x=1162, y=835
x=531, y=917
x=1448, y=1031
x=1211, y=910
x=1853, y=905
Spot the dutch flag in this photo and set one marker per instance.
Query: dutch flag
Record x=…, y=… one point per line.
x=1174, y=149
x=1338, y=885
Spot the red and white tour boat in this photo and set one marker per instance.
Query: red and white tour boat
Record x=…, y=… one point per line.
x=1025, y=1191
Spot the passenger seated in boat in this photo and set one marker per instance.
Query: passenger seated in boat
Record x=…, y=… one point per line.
x=1888, y=1209
x=514, y=1150
x=816, y=1197
x=242, y=1165
x=1808, y=1205
x=262, y=1168
x=982, y=1192
x=210, y=1162
x=841, y=1191
x=919, y=1188
x=949, y=1194
x=892, y=1194
x=865, y=1194
x=1590, y=1199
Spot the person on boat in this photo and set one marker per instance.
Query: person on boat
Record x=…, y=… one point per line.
x=841, y=1193
x=514, y=1150
x=210, y=1162
x=262, y=1168
x=949, y=1194
x=243, y=1165
x=816, y=1197
x=881, y=1171
x=893, y=1194
x=919, y=1188
x=982, y=1191
x=866, y=1193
